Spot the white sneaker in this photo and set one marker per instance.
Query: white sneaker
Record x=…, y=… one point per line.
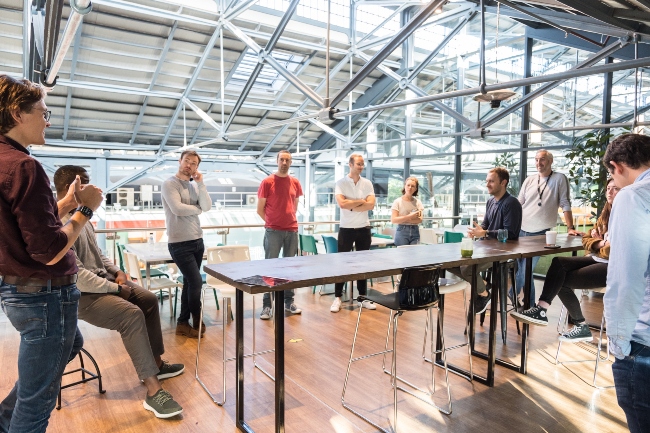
x=336, y=305
x=368, y=305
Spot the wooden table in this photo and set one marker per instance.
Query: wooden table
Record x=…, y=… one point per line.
x=304, y=271
x=152, y=254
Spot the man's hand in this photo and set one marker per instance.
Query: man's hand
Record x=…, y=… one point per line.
x=88, y=195
x=574, y=232
x=477, y=231
x=121, y=277
x=197, y=176
x=125, y=293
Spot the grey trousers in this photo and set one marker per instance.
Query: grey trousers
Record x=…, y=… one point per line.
x=136, y=319
x=274, y=241
x=465, y=272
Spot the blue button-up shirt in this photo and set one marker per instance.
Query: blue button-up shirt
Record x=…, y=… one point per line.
x=627, y=299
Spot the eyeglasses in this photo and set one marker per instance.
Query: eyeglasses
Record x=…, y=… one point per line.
x=46, y=115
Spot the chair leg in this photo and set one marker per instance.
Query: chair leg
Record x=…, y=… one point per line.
x=215, y=297
x=502, y=303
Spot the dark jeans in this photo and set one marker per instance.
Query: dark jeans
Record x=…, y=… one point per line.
x=360, y=239
x=188, y=256
x=567, y=274
x=47, y=322
x=274, y=241
x=407, y=234
x=632, y=380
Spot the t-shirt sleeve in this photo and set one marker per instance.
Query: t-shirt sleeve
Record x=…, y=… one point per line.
x=370, y=190
x=298, y=188
x=337, y=189
x=419, y=204
x=395, y=205
x=263, y=190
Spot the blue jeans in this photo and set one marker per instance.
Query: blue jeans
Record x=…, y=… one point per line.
x=632, y=380
x=407, y=235
x=520, y=276
x=188, y=256
x=274, y=241
x=47, y=322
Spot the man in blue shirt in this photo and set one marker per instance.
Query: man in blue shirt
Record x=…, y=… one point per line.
x=502, y=212
x=627, y=299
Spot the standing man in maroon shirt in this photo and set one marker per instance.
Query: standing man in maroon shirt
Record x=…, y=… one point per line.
x=277, y=205
x=38, y=269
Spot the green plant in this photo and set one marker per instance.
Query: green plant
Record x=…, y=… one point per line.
x=586, y=169
x=508, y=161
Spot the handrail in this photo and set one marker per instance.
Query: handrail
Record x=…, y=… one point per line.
x=241, y=226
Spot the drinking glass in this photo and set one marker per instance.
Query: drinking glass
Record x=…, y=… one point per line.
x=502, y=235
x=466, y=248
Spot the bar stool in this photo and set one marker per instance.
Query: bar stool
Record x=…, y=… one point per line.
x=418, y=290
x=509, y=267
x=97, y=375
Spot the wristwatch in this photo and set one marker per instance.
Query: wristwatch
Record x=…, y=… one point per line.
x=85, y=211
x=119, y=289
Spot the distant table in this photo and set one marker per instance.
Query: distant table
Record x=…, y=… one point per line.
x=152, y=254
x=375, y=241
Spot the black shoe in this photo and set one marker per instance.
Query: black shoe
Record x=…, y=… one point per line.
x=577, y=334
x=534, y=316
x=168, y=370
x=481, y=303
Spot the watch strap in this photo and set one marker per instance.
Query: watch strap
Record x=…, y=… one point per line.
x=86, y=211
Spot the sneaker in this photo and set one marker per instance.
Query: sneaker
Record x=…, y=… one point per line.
x=481, y=303
x=266, y=313
x=577, y=334
x=336, y=305
x=368, y=305
x=534, y=316
x=184, y=329
x=292, y=308
x=162, y=404
x=168, y=370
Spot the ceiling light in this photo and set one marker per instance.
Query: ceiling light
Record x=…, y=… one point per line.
x=495, y=97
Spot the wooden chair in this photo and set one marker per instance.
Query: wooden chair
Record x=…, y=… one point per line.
x=159, y=284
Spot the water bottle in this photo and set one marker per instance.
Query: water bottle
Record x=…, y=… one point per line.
x=151, y=239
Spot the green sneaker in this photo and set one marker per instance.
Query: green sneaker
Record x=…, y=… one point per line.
x=162, y=404
x=168, y=370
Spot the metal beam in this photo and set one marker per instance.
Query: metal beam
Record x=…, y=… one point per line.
x=73, y=67
x=599, y=11
x=27, y=34
x=202, y=114
x=382, y=54
x=142, y=9
x=190, y=84
x=138, y=174
x=273, y=40
x=161, y=61
x=592, y=60
x=295, y=81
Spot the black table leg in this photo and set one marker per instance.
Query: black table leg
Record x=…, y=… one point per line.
x=279, y=362
x=239, y=361
x=492, y=344
x=528, y=284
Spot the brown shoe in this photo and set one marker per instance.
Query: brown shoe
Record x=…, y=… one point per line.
x=195, y=327
x=184, y=328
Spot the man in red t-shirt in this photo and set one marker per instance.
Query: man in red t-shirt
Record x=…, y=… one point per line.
x=277, y=205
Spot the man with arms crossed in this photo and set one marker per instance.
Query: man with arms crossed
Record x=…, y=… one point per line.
x=184, y=198
x=502, y=211
x=277, y=205
x=38, y=269
x=627, y=299
x=540, y=197
x=355, y=196
x=110, y=300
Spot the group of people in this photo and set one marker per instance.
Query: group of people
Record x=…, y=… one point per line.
x=53, y=271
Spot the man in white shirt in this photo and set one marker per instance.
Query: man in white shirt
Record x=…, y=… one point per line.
x=355, y=196
x=540, y=196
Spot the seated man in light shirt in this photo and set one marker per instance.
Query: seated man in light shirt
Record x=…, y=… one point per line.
x=110, y=300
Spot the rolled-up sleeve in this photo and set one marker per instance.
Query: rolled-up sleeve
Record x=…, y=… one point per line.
x=565, y=194
x=39, y=224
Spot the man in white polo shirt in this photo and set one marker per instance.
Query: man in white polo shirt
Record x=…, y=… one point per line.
x=355, y=196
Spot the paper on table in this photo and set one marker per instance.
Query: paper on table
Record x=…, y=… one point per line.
x=261, y=280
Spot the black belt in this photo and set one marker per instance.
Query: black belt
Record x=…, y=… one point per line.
x=32, y=285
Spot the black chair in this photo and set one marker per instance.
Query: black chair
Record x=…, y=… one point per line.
x=418, y=290
x=97, y=375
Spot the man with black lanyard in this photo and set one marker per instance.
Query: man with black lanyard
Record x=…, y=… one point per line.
x=540, y=196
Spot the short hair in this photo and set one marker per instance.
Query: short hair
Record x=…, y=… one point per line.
x=417, y=185
x=283, y=151
x=190, y=153
x=17, y=96
x=550, y=155
x=353, y=158
x=501, y=173
x=65, y=175
x=632, y=150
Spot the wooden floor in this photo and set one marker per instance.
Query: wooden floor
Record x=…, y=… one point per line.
x=549, y=399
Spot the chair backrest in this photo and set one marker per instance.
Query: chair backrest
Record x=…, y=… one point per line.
x=428, y=236
x=453, y=237
x=120, y=252
x=132, y=265
x=308, y=244
x=331, y=244
x=226, y=254
x=418, y=287
x=379, y=235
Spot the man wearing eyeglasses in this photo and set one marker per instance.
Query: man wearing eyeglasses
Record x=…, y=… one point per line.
x=355, y=196
x=38, y=268
x=540, y=196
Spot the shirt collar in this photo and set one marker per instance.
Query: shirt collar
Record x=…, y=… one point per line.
x=643, y=176
x=13, y=143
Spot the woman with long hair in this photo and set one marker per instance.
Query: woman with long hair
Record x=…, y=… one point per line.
x=567, y=274
x=407, y=214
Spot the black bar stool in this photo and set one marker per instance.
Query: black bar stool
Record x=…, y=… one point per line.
x=97, y=375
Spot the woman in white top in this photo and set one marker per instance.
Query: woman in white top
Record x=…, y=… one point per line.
x=407, y=214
